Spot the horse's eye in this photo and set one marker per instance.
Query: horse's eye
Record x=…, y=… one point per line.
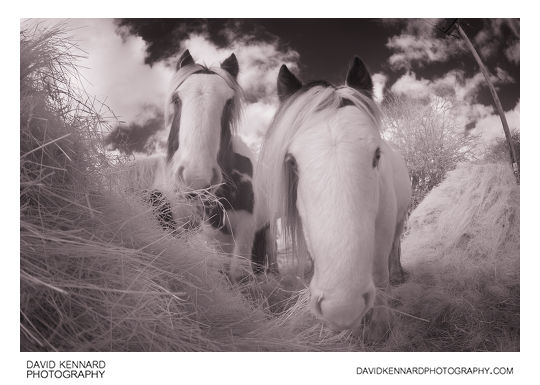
x=289, y=158
x=376, y=157
x=175, y=99
x=290, y=161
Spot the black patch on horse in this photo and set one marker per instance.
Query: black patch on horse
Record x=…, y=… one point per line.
x=216, y=217
x=258, y=253
x=344, y=102
x=173, y=141
x=236, y=193
x=242, y=164
x=204, y=70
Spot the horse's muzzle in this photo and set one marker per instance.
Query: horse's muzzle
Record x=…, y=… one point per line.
x=198, y=180
x=343, y=312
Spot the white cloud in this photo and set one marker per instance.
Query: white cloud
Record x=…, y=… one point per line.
x=503, y=76
x=408, y=84
x=420, y=49
x=489, y=128
x=115, y=68
x=379, y=82
x=464, y=89
x=472, y=112
x=486, y=43
x=256, y=119
x=418, y=43
x=453, y=84
x=512, y=52
x=512, y=24
x=491, y=40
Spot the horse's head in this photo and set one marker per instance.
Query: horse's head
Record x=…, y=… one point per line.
x=321, y=161
x=201, y=110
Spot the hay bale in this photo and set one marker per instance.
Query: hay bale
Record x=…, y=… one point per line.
x=462, y=252
x=471, y=218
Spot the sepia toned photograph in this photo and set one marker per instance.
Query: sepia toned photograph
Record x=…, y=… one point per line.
x=270, y=185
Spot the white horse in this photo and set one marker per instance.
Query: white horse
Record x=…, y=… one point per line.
x=205, y=156
x=341, y=192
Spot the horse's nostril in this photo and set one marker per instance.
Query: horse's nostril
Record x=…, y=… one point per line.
x=181, y=173
x=368, y=298
x=317, y=304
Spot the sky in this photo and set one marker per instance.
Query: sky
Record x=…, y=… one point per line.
x=129, y=63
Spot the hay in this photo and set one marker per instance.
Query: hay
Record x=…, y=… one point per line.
x=462, y=252
x=98, y=273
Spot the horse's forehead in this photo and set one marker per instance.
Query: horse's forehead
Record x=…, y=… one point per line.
x=205, y=84
x=361, y=120
x=332, y=129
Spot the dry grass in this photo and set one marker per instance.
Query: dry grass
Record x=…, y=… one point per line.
x=99, y=274
x=462, y=252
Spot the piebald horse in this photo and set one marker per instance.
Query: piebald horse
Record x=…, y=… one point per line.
x=205, y=156
x=341, y=192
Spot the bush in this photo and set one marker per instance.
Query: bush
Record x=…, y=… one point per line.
x=426, y=135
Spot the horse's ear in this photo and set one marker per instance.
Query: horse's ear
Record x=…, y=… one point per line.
x=287, y=83
x=185, y=60
x=359, y=78
x=231, y=65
